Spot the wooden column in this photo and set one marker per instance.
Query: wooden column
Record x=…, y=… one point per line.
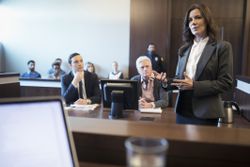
x=246, y=45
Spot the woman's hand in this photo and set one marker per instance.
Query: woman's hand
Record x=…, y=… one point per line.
x=183, y=84
x=160, y=76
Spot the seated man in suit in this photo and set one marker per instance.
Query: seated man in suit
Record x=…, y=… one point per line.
x=151, y=93
x=79, y=86
x=31, y=73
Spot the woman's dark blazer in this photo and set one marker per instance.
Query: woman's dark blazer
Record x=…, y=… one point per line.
x=70, y=93
x=213, y=77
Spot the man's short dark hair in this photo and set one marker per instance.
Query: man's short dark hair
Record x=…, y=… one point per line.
x=30, y=61
x=58, y=60
x=71, y=56
x=56, y=63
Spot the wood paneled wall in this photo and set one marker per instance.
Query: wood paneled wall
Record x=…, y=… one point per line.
x=161, y=21
x=149, y=22
x=230, y=22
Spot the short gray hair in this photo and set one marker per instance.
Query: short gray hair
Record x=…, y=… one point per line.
x=141, y=59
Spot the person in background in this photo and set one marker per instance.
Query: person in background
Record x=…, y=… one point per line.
x=57, y=71
x=79, y=86
x=90, y=67
x=31, y=73
x=115, y=73
x=51, y=70
x=204, y=70
x=157, y=61
x=151, y=93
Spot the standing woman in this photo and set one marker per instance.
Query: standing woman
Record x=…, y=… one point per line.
x=204, y=70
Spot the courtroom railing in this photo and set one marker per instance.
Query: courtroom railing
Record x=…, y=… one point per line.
x=9, y=85
x=40, y=87
x=242, y=95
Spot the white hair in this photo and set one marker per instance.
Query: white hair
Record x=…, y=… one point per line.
x=141, y=59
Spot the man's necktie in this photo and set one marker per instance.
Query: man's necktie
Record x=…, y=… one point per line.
x=80, y=90
x=145, y=84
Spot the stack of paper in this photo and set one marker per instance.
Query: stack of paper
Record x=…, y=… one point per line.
x=84, y=107
x=151, y=110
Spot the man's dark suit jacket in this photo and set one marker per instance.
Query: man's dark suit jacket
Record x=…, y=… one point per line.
x=213, y=77
x=160, y=95
x=70, y=93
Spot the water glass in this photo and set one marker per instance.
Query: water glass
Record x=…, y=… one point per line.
x=146, y=152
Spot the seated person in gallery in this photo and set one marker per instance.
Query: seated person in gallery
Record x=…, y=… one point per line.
x=57, y=71
x=51, y=70
x=151, y=93
x=79, y=86
x=90, y=67
x=31, y=73
x=115, y=74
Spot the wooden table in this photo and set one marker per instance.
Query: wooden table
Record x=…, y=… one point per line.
x=100, y=140
x=133, y=115
x=167, y=116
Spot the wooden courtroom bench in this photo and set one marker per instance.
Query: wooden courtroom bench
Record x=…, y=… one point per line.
x=9, y=85
x=40, y=87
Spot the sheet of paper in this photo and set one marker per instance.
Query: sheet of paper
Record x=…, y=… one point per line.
x=85, y=107
x=151, y=110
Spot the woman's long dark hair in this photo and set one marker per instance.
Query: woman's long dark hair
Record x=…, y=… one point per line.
x=188, y=37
